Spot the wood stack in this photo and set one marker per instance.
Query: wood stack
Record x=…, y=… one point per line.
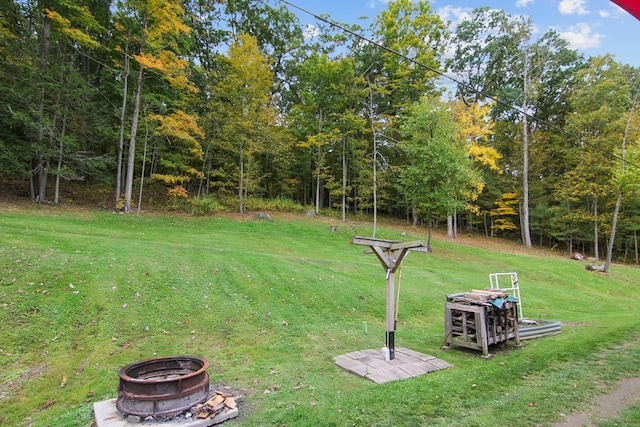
x=485, y=295
x=480, y=318
x=214, y=406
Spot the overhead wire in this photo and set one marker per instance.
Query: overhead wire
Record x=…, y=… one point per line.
x=461, y=83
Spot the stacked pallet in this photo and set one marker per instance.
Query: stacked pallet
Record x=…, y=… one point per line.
x=480, y=318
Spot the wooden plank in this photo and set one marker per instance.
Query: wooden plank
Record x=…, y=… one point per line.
x=369, y=241
x=475, y=296
x=465, y=307
x=392, y=245
x=409, y=245
x=494, y=293
x=481, y=322
x=448, y=325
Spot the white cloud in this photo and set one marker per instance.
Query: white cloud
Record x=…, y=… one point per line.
x=617, y=11
x=572, y=7
x=454, y=14
x=373, y=3
x=310, y=32
x=604, y=13
x=580, y=37
x=523, y=3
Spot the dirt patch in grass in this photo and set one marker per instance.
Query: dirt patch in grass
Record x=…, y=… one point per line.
x=604, y=406
x=12, y=385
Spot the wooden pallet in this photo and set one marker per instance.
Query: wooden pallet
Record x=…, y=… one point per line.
x=473, y=322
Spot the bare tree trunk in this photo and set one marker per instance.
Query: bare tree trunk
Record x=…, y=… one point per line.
x=43, y=174
x=318, y=171
x=131, y=159
x=344, y=179
x=455, y=223
x=619, y=199
x=132, y=143
x=42, y=167
x=63, y=131
x=570, y=245
x=430, y=228
x=452, y=225
x=525, y=163
x=414, y=214
x=144, y=161
x=204, y=172
x=241, y=180
x=596, y=230
x=32, y=188
x=375, y=161
x=486, y=228
x=123, y=112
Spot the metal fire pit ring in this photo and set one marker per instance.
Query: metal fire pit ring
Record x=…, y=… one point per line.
x=162, y=386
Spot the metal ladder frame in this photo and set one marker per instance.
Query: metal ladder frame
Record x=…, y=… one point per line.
x=513, y=290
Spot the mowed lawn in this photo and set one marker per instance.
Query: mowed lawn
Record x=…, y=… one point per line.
x=270, y=303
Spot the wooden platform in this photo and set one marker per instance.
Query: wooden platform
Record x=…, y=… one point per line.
x=370, y=364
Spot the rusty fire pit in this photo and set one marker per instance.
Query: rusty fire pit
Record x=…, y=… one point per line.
x=162, y=386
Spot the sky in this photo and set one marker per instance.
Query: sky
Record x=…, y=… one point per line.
x=593, y=27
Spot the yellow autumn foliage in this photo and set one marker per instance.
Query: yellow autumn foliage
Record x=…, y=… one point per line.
x=171, y=179
x=476, y=127
x=178, y=191
x=65, y=27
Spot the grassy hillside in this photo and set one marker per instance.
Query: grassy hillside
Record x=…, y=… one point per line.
x=270, y=303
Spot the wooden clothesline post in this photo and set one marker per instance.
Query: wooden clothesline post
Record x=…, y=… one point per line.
x=390, y=253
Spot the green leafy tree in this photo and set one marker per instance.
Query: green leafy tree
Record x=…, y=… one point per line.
x=159, y=47
x=395, y=82
x=326, y=117
x=604, y=105
x=438, y=175
x=476, y=129
x=244, y=110
x=274, y=27
x=497, y=56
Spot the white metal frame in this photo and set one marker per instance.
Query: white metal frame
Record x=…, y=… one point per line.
x=513, y=289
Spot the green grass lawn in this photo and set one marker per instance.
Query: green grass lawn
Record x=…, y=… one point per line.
x=270, y=303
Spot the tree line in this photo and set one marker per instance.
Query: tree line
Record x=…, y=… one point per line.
x=488, y=126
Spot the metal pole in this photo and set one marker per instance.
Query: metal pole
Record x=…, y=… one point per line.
x=390, y=314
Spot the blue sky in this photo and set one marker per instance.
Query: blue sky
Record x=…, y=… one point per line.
x=594, y=27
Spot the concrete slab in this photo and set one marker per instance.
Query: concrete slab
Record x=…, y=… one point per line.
x=370, y=364
x=107, y=415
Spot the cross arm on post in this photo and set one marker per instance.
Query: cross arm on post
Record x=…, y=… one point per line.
x=390, y=245
x=389, y=262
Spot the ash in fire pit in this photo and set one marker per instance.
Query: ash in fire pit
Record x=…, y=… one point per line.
x=162, y=386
